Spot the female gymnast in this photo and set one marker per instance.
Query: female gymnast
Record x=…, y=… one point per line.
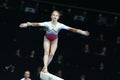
x=51, y=37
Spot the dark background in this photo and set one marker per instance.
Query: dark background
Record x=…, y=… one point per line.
x=106, y=5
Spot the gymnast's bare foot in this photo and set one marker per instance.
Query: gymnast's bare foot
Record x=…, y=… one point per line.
x=45, y=70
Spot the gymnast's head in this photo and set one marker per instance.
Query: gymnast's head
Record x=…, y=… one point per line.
x=55, y=15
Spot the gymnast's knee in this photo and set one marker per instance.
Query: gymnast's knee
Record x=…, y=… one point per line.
x=51, y=54
x=46, y=52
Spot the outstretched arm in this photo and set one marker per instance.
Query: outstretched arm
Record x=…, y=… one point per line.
x=24, y=25
x=86, y=33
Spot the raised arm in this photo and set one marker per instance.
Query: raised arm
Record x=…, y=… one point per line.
x=24, y=25
x=86, y=33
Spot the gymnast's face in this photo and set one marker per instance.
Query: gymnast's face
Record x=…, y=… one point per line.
x=55, y=16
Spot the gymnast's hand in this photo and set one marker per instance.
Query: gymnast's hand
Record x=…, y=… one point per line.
x=86, y=33
x=23, y=25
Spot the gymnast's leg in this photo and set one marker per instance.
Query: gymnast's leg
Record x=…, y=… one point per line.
x=46, y=46
x=53, y=48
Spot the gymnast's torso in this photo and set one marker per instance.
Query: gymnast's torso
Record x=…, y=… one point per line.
x=53, y=29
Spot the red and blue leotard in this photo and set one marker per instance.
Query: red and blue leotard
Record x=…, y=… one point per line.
x=52, y=32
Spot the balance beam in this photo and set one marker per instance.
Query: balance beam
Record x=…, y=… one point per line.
x=49, y=76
